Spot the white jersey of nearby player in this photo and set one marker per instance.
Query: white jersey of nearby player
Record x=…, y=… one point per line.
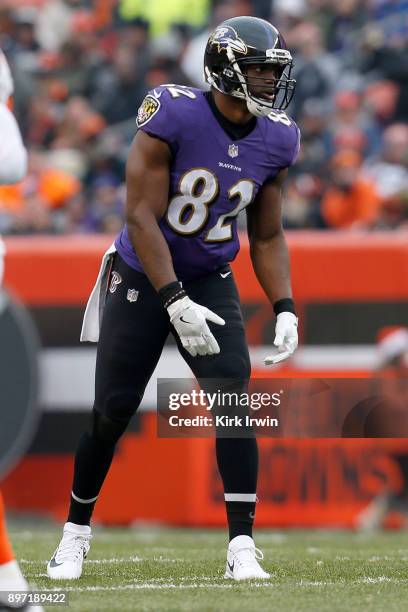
x=13, y=158
x=13, y=155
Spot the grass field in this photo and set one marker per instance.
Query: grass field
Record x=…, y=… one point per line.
x=175, y=570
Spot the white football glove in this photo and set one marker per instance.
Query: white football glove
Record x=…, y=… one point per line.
x=286, y=337
x=6, y=80
x=190, y=322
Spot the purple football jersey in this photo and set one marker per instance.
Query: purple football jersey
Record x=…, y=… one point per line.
x=212, y=177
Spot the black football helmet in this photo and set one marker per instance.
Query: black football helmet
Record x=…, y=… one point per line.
x=233, y=46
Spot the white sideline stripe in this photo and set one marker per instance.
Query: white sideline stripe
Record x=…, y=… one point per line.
x=240, y=497
x=367, y=580
x=113, y=560
x=346, y=583
x=83, y=501
x=59, y=367
x=148, y=585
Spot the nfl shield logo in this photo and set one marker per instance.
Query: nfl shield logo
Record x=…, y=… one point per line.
x=132, y=295
x=233, y=150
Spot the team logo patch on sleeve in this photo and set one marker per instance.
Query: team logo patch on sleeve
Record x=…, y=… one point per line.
x=147, y=110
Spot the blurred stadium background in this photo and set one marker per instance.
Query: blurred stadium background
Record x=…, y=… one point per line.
x=81, y=69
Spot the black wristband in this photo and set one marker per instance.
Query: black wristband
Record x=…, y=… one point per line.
x=171, y=293
x=284, y=305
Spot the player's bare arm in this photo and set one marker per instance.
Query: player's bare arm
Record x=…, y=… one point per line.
x=270, y=259
x=269, y=252
x=147, y=178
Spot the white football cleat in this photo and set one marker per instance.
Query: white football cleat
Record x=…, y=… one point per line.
x=66, y=562
x=242, y=560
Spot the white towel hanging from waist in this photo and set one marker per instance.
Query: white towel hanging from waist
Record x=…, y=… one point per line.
x=93, y=312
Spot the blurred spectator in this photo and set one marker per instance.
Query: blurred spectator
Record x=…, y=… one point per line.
x=349, y=199
x=317, y=139
x=287, y=14
x=384, y=53
x=393, y=213
x=25, y=35
x=352, y=126
x=302, y=203
x=315, y=71
x=53, y=27
x=71, y=68
x=380, y=99
x=120, y=88
x=389, y=170
x=78, y=124
x=343, y=20
x=81, y=70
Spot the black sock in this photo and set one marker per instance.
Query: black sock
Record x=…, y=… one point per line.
x=240, y=518
x=80, y=513
x=238, y=465
x=92, y=462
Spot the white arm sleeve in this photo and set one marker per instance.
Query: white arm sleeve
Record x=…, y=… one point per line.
x=13, y=154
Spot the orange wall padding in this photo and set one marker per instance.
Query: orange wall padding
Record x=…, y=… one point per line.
x=326, y=266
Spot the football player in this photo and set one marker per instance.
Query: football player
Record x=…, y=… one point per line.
x=13, y=165
x=197, y=160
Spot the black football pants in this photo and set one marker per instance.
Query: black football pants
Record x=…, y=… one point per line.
x=133, y=335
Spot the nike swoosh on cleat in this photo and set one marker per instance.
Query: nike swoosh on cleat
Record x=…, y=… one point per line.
x=231, y=565
x=53, y=563
x=225, y=274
